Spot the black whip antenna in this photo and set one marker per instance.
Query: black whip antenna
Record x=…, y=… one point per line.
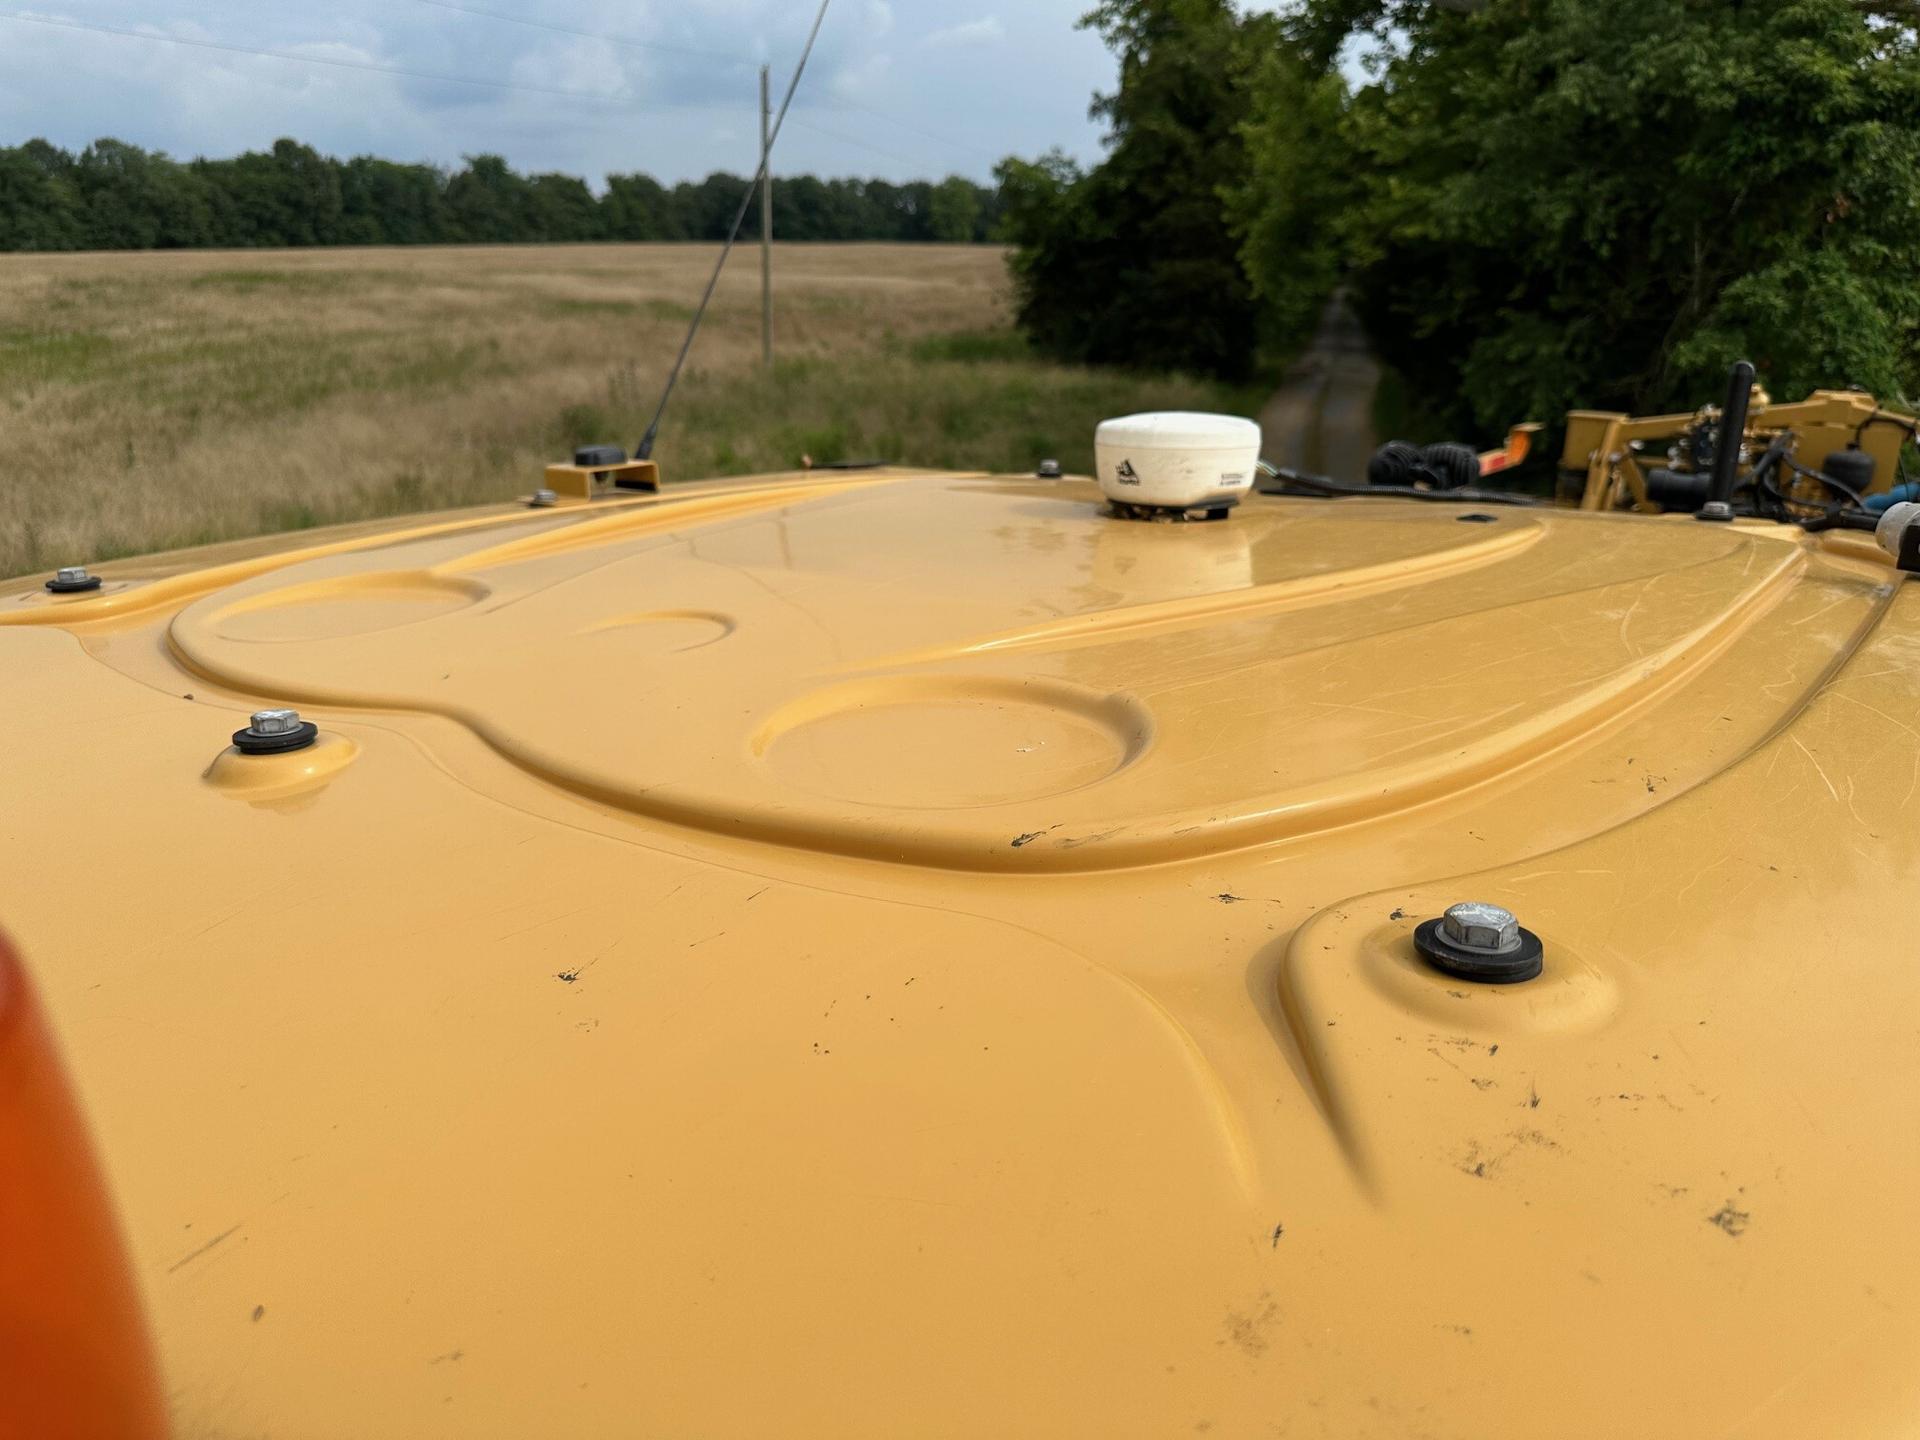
x=645, y=450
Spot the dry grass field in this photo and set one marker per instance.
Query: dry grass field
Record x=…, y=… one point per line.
x=151, y=401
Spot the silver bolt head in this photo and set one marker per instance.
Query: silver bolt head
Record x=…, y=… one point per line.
x=1487, y=928
x=72, y=574
x=1716, y=510
x=1049, y=470
x=541, y=499
x=275, y=722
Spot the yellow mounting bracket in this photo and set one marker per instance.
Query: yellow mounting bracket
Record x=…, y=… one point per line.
x=578, y=482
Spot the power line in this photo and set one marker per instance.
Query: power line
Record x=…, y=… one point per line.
x=856, y=140
x=583, y=34
x=843, y=104
x=338, y=64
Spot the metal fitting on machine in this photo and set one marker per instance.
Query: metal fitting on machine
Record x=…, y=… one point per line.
x=1049, y=470
x=542, y=499
x=1718, y=511
x=73, y=580
x=275, y=732
x=1481, y=942
x=1899, y=535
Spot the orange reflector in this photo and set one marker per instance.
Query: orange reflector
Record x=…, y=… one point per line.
x=1519, y=445
x=75, y=1360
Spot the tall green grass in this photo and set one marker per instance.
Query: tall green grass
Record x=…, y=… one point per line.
x=159, y=402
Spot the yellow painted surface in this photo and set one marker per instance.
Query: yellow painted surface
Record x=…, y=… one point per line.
x=910, y=955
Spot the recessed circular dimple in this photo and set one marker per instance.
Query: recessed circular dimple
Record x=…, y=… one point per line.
x=354, y=605
x=952, y=743
x=664, y=632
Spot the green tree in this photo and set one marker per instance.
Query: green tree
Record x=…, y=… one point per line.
x=40, y=206
x=709, y=206
x=639, y=207
x=561, y=208
x=802, y=209
x=118, y=196
x=383, y=203
x=953, y=210
x=289, y=196
x=487, y=203
x=1563, y=203
x=133, y=200
x=1287, y=206
x=1135, y=263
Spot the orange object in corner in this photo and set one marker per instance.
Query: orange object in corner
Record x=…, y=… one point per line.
x=75, y=1360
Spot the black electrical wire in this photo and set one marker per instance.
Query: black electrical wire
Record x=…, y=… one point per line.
x=1853, y=497
x=1762, y=480
x=1298, y=482
x=1886, y=417
x=1843, y=520
x=1848, y=514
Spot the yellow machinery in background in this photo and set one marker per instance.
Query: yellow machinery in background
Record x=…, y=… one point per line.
x=1834, y=460
x=1836, y=446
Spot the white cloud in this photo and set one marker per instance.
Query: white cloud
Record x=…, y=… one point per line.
x=857, y=81
x=985, y=31
x=664, y=86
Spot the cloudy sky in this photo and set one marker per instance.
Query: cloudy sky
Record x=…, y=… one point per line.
x=897, y=88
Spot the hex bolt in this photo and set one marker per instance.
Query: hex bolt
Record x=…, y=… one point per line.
x=1717, y=511
x=1487, y=928
x=1480, y=942
x=73, y=580
x=1049, y=470
x=275, y=732
x=542, y=499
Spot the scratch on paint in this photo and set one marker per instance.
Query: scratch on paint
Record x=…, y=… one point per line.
x=1816, y=765
x=1875, y=709
x=1704, y=872
x=189, y=1258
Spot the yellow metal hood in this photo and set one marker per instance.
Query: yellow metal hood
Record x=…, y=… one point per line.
x=913, y=954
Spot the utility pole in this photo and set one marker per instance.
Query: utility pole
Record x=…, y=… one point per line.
x=766, y=219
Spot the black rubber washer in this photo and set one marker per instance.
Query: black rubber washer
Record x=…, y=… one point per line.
x=248, y=743
x=73, y=587
x=1523, y=964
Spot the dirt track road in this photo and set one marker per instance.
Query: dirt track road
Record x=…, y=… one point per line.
x=1321, y=418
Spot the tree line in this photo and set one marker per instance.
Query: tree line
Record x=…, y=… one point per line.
x=117, y=196
x=1535, y=205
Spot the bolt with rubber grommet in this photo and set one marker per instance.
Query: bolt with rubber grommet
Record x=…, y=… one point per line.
x=1049, y=470
x=1480, y=942
x=275, y=732
x=72, y=580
